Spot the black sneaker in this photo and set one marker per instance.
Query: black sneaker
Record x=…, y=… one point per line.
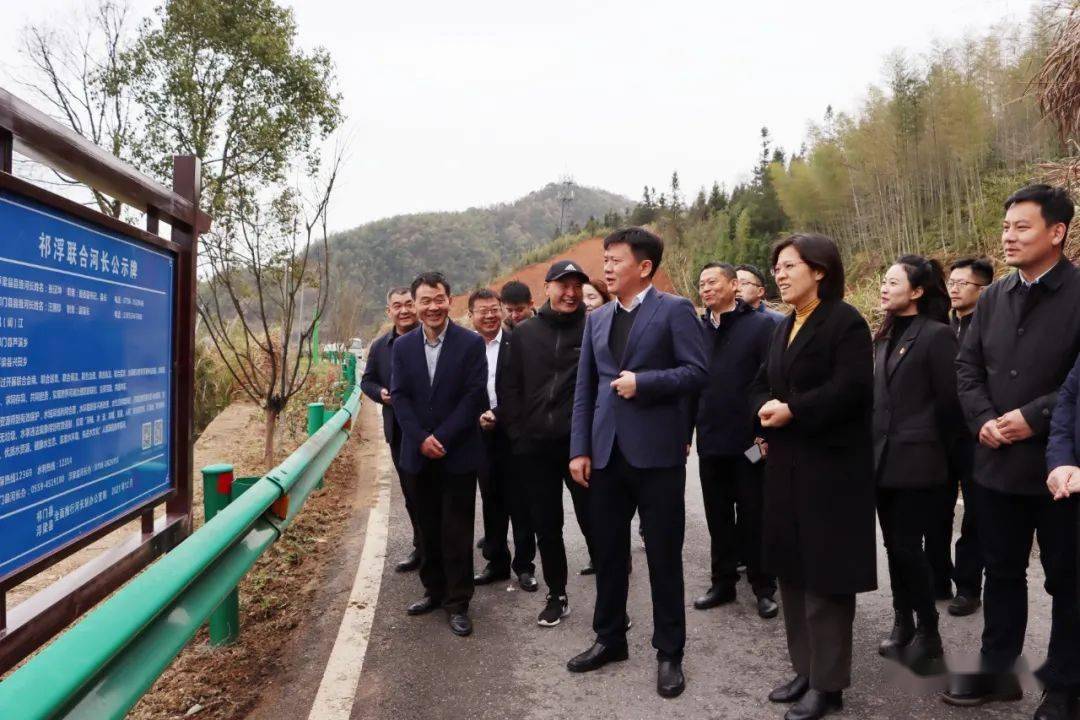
x=556, y=609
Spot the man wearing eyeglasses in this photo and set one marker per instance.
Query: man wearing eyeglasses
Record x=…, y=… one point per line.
x=752, y=291
x=968, y=277
x=503, y=497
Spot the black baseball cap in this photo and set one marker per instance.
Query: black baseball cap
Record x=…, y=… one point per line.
x=561, y=268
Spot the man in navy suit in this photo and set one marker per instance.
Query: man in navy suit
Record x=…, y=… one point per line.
x=375, y=383
x=641, y=359
x=438, y=390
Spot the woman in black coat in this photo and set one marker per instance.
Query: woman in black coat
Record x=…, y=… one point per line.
x=916, y=421
x=815, y=393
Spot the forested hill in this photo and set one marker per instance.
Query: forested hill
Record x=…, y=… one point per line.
x=470, y=246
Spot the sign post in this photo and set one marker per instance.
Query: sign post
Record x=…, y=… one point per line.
x=97, y=333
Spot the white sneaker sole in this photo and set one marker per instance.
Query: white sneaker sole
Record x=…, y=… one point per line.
x=545, y=623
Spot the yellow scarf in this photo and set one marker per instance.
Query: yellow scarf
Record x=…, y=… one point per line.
x=801, y=314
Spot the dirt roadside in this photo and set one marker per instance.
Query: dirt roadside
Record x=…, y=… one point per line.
x=280, y=594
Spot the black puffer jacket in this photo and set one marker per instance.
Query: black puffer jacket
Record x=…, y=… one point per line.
x=539, y=386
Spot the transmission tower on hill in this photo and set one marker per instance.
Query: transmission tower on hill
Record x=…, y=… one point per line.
x=566, y=197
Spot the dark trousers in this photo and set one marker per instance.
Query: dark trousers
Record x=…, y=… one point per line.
x=906, y=514
x=544, y=469
x=658, y=494
x=445, y=511
x=938, y=536
x=968, y=573
x=410, y=506
x=732, y=484
x=1015, y=520
x=505, y=505
x=819, y=630
x=579, y=497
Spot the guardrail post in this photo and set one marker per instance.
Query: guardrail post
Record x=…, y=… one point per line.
x=316, y=416
x=218, y=482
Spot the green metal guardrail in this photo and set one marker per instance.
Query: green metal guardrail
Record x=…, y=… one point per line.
x=102, y=665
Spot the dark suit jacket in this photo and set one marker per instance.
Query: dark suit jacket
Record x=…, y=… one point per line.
x=666, y=349
x=916, y=412
x=1012, y=360
x=1064, y=430
x=498, y=439
x=818, y=530
x=448, y=408
x=502, y=369
x=737, y=349
x=377, y=376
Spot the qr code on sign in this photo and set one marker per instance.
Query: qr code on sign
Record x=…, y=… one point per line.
x=159, y=432
x=147, y=435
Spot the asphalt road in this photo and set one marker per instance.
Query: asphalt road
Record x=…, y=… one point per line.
x=512, y=668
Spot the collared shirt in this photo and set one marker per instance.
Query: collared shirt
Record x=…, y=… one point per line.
x=433, y=349
x=638, y=299
x=492, y=348
x=1027, y=284
x=715, y=319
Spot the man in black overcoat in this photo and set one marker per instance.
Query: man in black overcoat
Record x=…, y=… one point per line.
x=375, y=383
x=1017, y=352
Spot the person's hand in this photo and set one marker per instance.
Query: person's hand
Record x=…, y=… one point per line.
x=990, y=435
x=384, y=395
x=1063, y=481
x=1074, y=483
x=625, y=386
x=775, y=414
x=762, y=446
x=1013, y=427
x=581, y=470
x=432, y=448
x=487, y=420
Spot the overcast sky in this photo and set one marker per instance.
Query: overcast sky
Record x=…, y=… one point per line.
x=453, y=105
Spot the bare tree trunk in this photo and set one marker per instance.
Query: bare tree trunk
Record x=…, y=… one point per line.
x=268, y=439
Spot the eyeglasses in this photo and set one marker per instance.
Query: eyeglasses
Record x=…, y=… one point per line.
x=484, y=312
x=958, y=284
x=786, y=267
x=751, y=283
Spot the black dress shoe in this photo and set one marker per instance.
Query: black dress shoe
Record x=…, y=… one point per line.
x=1056, y=705
x=423, y=606
x=588, y=569
x=971, y=689
x=460, y=624
x=528, y=583
x=816, y=704
x=489, y=575
x=903, y=632
x=715, y=597
x=943, y=593
x=767, y=608
x=480, y=543
x=964, y=604
x=597, y=657
x=924, y=655
x=410, y=563
x=670, y=681
x=791, y=691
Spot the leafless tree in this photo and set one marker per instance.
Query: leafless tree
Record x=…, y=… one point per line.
x=75, y=69
x=256, y=265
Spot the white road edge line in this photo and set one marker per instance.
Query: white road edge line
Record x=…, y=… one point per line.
x=337, y=691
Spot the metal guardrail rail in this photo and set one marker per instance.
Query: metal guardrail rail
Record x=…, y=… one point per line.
x=103, y=664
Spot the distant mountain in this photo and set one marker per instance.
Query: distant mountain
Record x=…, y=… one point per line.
x=469, y=246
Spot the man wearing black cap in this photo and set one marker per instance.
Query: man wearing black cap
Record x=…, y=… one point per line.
x=539, y=401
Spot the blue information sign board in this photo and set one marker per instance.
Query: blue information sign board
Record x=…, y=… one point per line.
x=86, y=333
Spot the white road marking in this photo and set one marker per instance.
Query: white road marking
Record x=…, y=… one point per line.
x=334, y=701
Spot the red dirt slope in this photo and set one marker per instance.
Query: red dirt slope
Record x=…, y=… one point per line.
x=588, y=253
